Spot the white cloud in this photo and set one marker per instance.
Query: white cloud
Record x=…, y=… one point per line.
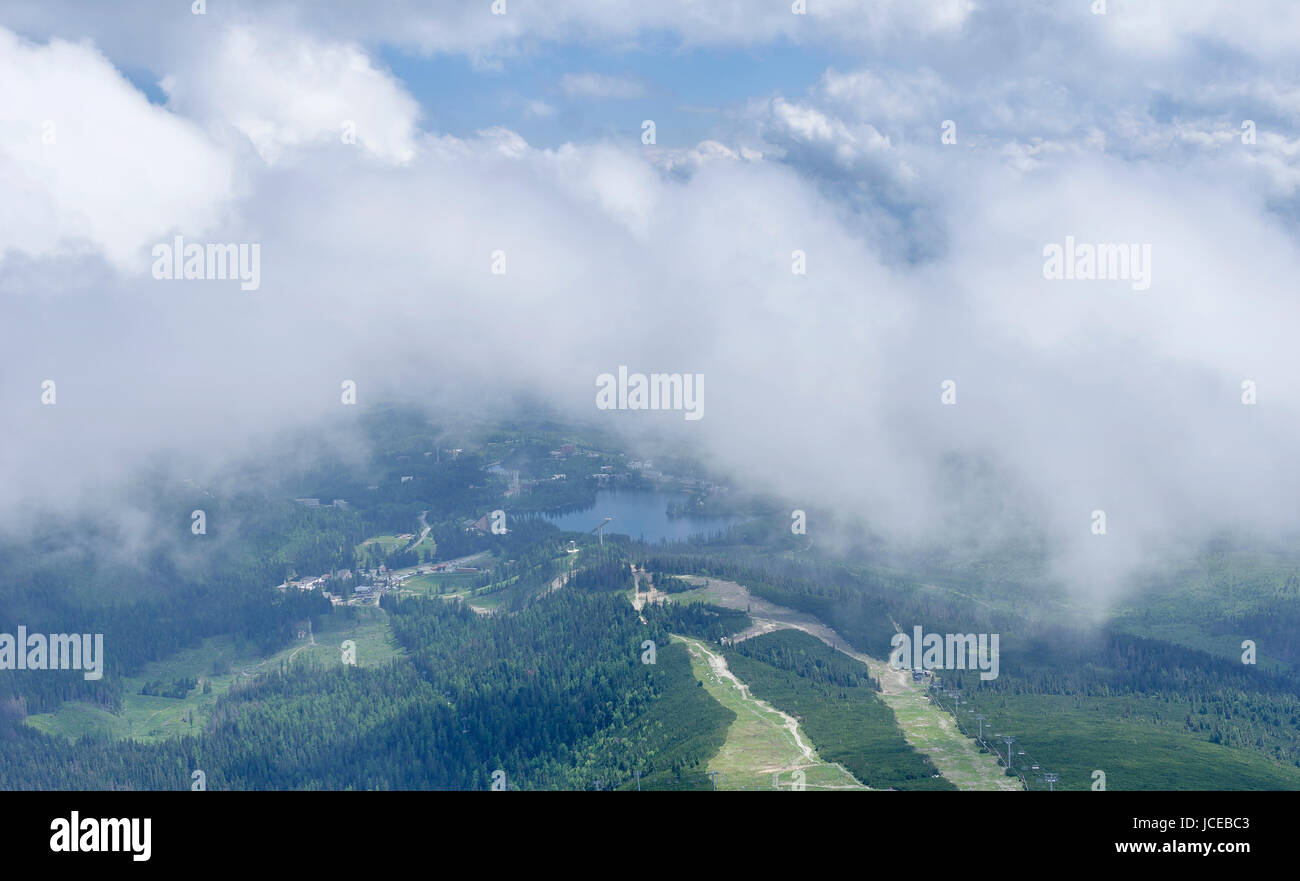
x=85, y=159
x=600, y=86
x=824, y=386
x=284, y=91
x=690, y=159
x=538, y=109
x=472, y=30
x=808, y=125
x=1267, y=27
x=884, y=97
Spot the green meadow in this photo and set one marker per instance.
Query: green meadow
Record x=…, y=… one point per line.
x=218, y=664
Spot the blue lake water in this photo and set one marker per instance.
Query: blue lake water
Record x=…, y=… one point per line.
x=640, y=514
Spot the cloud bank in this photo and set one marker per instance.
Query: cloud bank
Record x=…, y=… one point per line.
x=919, y=196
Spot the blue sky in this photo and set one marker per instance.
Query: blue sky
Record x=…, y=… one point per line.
x=688, y=92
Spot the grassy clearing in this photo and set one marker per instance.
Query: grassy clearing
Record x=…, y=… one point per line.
x=933, y=733
x=929, y=729
x=386, y=543
x=440, y=584
x=219, y=664
x=1079, y=735
x=760, y=751
x=836, y=705
x=488, y=602
x=710, y=595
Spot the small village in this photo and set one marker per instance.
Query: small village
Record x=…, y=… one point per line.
x=366, y=586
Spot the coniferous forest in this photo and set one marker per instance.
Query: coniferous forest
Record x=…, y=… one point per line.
x=525, y=651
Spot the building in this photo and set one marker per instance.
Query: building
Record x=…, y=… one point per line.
x=308, y=503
